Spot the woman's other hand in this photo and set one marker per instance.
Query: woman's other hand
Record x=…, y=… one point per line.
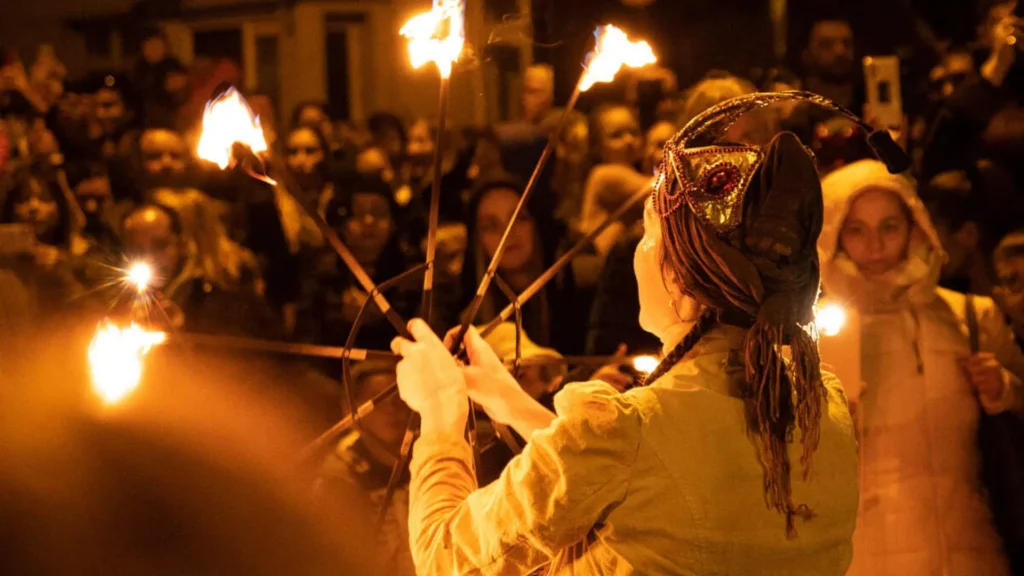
x=492, y=387
x=488, y=381
x=429, y=380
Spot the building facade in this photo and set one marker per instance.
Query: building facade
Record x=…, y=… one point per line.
x=347, y=53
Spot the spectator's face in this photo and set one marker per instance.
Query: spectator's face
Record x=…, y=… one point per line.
x=305, y=154
x=945, y=78
x=876, y=232
x=109, y=109
x=830, y=50
x=575, y=143
x=388, y=420
x=149, y=236
x=657, y=136
x=374, y=162
x=620, y=137
x=390, y=141
x=38, y=208
x=492, y=217
x=420, y=149
x=163, y=153
x=420, y=142
x=315, y=117
x=154, y=49
x=1009, y=288
x=369, y=226
x=538, y=95
x=92, y=194
x=176, y=84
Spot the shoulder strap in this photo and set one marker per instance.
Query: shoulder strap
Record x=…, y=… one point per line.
x=971, y=314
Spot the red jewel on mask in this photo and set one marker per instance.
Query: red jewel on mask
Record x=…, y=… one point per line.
x=721, y=180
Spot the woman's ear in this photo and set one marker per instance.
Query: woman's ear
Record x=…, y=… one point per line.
x=672, y=284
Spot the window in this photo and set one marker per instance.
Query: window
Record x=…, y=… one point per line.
x=345, y=32
x=267, y=66
x=507, y=62
x=338, y=85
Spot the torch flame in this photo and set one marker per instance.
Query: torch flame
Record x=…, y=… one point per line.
x=437, y=36
x=614, y=50
x=830, y=319
x=645, y=364
x=115, y=358
x=226, y=120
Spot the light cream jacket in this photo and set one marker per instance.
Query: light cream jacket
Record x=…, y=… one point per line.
x=921, y=506
x=660, y=480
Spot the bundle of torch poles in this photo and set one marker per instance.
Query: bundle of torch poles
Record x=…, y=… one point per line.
x=116, y=354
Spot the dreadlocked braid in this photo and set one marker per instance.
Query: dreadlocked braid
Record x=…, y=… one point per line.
x=704, y=324
x=769, y=397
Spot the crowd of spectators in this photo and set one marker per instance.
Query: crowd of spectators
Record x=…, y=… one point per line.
x=99, y=171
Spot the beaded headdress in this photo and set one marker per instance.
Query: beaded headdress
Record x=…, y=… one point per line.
x=713, y=179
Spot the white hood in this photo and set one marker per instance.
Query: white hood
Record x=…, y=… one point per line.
x=915, y=279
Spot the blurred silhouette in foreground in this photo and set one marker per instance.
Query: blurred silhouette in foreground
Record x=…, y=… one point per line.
x=189, y=475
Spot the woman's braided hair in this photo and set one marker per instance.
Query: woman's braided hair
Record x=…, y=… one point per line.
x=763, y=276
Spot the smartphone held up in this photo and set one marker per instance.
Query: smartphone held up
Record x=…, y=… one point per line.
x=883, y=95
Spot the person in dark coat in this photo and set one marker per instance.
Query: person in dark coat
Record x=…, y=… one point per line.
x=190, y=299
x=615, y=316
x=362, y=213
x=557, y=316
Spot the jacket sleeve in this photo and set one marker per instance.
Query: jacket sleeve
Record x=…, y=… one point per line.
x=998, y=338
x=548, y=498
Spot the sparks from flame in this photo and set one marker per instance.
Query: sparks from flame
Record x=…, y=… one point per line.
x=140, y=275
x=229, y=119
x=614, y=50
x=437, y=36
x=830, y=319
x=115, y=358
x=645, y=364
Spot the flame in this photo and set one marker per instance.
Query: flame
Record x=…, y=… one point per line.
x=139, y=275
x=613, y=51
x=226, y=120
x=437, y=36
x=115, y=358
x=830, y=319
x=645, y=364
